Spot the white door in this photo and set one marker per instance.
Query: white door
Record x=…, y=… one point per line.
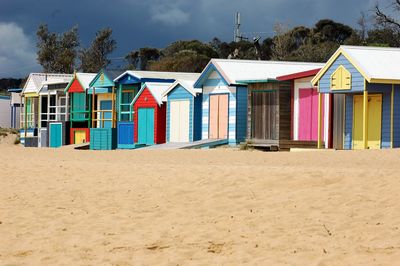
x=179, y=121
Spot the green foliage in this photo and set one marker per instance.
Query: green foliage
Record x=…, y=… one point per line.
x=182, y=61
x=184, y=56
x=384, y=37
x=57, y=52
x=94, y=58
x=139, y=59
x=315, y=44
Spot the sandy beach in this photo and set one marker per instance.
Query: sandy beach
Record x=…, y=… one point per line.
x=198, y=207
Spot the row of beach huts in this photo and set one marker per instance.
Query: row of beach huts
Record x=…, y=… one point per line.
x=350, y=102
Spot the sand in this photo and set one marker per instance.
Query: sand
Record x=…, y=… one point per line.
x=199, y=207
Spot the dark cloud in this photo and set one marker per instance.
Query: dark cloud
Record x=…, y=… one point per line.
x=157, y=23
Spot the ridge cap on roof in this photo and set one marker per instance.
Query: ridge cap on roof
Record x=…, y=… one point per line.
x=147, y=71
x=369, y=47
x=264, y=61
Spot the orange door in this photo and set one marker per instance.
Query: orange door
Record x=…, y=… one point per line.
x=218, y=116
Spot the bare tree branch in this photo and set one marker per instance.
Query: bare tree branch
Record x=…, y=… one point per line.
x=385, y=19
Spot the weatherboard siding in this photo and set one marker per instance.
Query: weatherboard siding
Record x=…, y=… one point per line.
x=231, y=91
x=386, y=91
x=348, y=128
x=146, y=100
x=197, y=117
x=357, y=80
x=241, y=116
x=179, y=94
x=396, y=117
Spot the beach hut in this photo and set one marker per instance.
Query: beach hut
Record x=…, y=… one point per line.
x=368, y=78
x=103, y=131
x=150, y=114
x=5, y=111
x=79, y=107
x=304, y=108
x=53, y=109
x=30, y=119
x=184, y=106
x=241, y=100
x=129, y=84
x=16, y=106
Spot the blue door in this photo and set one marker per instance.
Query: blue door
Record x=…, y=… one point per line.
x=106, y=105
x=55, y=135
x=146, y=126
x=125, y=133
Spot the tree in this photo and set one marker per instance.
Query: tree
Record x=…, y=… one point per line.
x=385, y=20
x=183, y=61
x=184, y=56
x=139, y=59
x=95, y=57
x=310, y=52
x=329, y=30
x=383, y=37
x=57, y=53
x=281, y=42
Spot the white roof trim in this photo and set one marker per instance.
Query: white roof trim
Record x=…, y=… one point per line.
x=187, y=85
x=156, y=89
x=140, y=74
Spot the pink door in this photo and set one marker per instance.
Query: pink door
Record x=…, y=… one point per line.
x=213, y=117
x=308, y=114
x=223, y=105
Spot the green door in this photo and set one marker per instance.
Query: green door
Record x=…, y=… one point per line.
x=146, y=126
x=78, y=107
x=55, y=135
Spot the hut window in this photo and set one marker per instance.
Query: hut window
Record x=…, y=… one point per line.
x=341, y=79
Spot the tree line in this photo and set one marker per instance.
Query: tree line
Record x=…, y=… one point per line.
x=63, y=53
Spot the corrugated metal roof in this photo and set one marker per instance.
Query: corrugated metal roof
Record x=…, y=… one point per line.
x=244, y=71
x=158, y=75
x=157, y=90
x=85, y=78
x=376, y=62
x=44, y=89
x=187, y=84
x=35, y=80
x=112, y=74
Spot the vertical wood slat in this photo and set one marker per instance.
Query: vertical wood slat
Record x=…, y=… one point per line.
x=93, y=109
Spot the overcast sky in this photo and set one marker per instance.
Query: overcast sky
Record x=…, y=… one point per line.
x=155, y=23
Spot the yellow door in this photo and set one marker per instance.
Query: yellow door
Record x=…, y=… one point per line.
x=80, y=136
x=374, y=121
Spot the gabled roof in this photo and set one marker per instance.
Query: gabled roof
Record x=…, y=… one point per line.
x=111, y=75
x=375, y=64
x=242, y=72
x=187, y=84
x=45, y=84
x=156, y=89
x=34, y=82
x=143, y=76
x=84, y=80
x=299, y=75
